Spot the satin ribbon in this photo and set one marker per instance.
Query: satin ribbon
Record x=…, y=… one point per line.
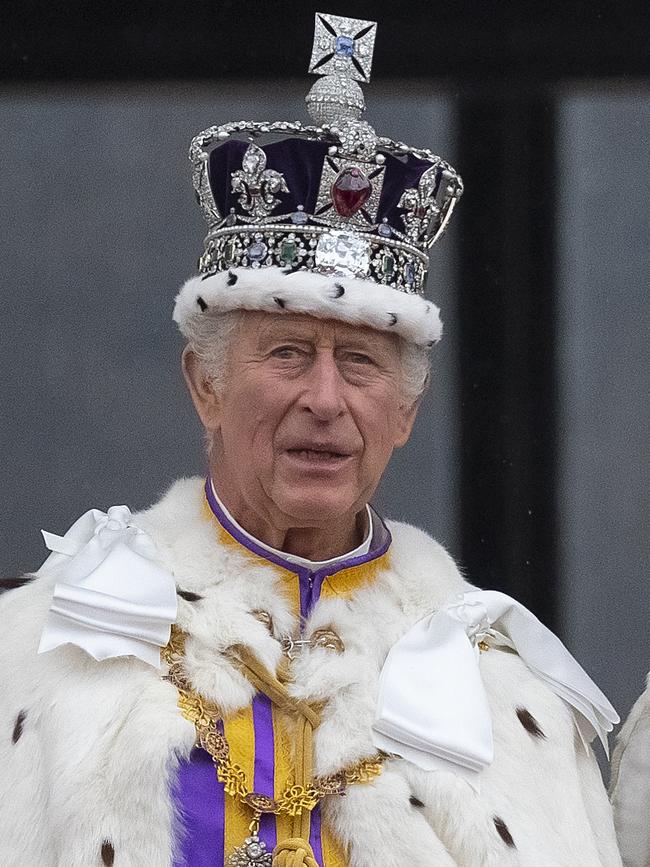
x=113, y=599
x=432, y=707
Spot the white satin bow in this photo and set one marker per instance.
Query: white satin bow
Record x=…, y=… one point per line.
x=432, y=707
x=113, y=599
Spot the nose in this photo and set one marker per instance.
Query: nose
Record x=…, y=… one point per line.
x=323, y=391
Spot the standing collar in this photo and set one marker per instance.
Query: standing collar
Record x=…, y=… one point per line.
x=375, y=544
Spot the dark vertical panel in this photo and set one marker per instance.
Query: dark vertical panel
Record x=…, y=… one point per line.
x=507, y=369
x=464, y=39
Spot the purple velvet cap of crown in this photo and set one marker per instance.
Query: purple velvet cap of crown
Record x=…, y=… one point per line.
x=301, y=163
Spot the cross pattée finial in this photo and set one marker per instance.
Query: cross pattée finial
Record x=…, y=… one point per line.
x=343, y=46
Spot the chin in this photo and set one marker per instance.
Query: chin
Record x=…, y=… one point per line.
x=318, y=509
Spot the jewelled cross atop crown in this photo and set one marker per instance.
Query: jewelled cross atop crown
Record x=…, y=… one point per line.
x=332, y=198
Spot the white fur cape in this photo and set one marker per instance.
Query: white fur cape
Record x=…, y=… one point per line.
x=88, y=749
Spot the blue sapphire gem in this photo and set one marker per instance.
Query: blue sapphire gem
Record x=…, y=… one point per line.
x=344, y=46
x=299, y=217
x=409, y=273
x=384, y=230
x=256, y=251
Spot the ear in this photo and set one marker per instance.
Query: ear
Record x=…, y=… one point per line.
x=206, y=402
x=408, y=414
x=405, y=421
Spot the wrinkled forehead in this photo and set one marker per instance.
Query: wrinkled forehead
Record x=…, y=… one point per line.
x=260, y=327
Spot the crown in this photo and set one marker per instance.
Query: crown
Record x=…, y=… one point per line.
x=334, y=197
x=344, y=210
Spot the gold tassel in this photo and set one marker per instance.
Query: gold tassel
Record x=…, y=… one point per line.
x=294, y=852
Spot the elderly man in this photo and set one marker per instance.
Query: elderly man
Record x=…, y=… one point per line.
x=259, y=669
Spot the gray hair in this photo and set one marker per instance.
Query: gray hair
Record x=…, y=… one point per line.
x=210, y=336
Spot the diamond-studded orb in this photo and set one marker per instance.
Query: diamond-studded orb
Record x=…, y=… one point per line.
x=333, y=97
x=350, y=191
x=344, y=253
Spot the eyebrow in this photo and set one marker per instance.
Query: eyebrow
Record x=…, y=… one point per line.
x=353, y=344
x=276, y=333
x=281, y=331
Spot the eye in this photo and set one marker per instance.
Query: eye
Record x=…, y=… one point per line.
x=359, y=358
x=286, y=351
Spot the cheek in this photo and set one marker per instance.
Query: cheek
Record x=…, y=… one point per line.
x=380, y=425
x=250, y=418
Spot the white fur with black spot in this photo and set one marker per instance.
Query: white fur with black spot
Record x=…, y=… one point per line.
x=363, y=302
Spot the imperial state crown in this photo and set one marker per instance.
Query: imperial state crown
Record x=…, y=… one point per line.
x=328, y=219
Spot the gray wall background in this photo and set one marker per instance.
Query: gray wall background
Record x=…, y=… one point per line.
x=99, y=229
x=604, y=378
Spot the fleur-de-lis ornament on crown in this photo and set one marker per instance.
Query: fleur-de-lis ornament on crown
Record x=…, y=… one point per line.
x=420, y=205
x=256, y=184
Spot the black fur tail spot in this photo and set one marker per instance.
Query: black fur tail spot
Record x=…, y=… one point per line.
x=188, y=595
x=503, y=832
x=18, y=727
x=14, y=583
x=232, y=278
x=529, y=722
x=201, y=304
x=108, y=853
x=393, y=319
x=338, y=290
x=280, y=302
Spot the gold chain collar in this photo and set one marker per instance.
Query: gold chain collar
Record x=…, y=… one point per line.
x=205, y=715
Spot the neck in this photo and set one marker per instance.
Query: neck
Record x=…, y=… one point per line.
x=309, y=542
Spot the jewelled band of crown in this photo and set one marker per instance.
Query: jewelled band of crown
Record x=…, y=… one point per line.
x=342, y=235
x=316, y=248
x=450, y=188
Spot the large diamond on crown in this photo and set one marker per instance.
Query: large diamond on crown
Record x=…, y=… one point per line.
x=344, y=253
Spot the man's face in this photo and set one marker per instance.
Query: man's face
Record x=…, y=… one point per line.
x=308, y=420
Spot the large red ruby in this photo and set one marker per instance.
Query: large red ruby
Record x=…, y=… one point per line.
x=350, y=191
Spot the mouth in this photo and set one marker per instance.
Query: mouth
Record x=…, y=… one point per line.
x=317, y=454
x=327, y=456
